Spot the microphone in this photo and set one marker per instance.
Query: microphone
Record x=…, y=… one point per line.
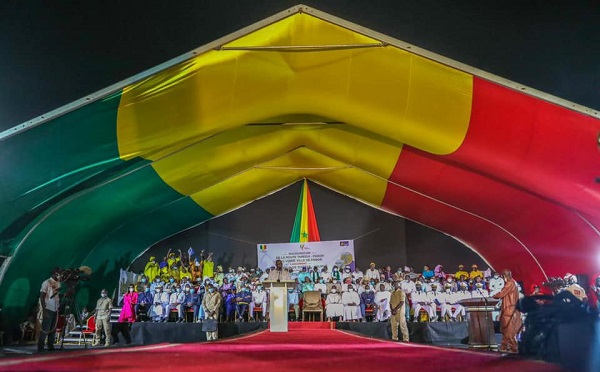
x=482, y=295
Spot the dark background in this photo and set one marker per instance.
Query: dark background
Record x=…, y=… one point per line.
x=378, y=236
x=54, y=52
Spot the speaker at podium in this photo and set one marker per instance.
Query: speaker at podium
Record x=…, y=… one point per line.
x=278, y=303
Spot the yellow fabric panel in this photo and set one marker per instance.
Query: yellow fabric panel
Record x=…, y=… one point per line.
x=257, y=182
x=383, y=90
x=225, y=155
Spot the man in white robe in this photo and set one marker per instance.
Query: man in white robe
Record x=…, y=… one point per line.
x=421, y=300
x=445, y=300
x=333, y=304
x=463, y=294
x=350, y=300
x=496, y=284
x=259, y=299
x=382, y=301
x=158, y=310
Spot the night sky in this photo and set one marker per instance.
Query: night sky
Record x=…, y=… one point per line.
x=54, y=52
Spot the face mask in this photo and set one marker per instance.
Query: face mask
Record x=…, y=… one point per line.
x=192, y=291
x=372, y=283
x=130, y=289
x=103, y=294
x=158, y=290
x=143, y=280
x=259, y=288
x=211, y=290
x=334, y=291
x=335, y=269
x=321, y=281
x=187, y=289
x=347, y=270
x=147, y=290
x=178, y=289
x=351, y=289
x=171, y=280
x=157, y=280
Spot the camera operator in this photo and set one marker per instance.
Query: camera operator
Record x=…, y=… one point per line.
x=49, y=305
x=574, y=287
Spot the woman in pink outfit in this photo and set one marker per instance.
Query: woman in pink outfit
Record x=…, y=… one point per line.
x=128, y=310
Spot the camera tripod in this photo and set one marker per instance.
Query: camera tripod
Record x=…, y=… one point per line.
x=69, y=304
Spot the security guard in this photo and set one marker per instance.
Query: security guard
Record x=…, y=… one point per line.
x=103, y=309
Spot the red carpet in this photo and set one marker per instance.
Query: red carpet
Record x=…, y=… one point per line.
x=297, y=326
x=300, y=349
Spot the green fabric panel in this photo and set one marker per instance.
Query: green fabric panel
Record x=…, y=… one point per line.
x=137, y=235
x=65, y=236
x=43, y=162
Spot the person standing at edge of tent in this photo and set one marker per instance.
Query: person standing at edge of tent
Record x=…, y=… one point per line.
x=510, y=317
x=279, y=273
x=102, y=312
x=211, y=304
x=49, y=305
x=397, y=304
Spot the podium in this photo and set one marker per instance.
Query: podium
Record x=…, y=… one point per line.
x=278, y=304
x=481, y=322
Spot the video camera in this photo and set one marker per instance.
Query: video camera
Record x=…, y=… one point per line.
x=555, y=284
x=72, y=276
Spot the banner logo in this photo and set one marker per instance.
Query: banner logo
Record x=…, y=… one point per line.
x=263, y=247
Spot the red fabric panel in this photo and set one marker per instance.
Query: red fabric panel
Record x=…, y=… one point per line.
x=494, y=245
x=543, y=227
x=516, y=170
x=533, y=144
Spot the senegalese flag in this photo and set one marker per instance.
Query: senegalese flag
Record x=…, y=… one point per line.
x=305, y=225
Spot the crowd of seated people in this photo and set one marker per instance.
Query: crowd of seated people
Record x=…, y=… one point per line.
x=173, y=290
x=175, y=287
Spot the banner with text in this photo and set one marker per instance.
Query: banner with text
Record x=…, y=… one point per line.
x=297, y=255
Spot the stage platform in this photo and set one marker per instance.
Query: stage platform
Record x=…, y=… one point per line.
x=442, y=334
x=436, y=333
x=156, y=333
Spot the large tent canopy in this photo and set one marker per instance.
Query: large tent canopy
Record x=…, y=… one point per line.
x=505, y=169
